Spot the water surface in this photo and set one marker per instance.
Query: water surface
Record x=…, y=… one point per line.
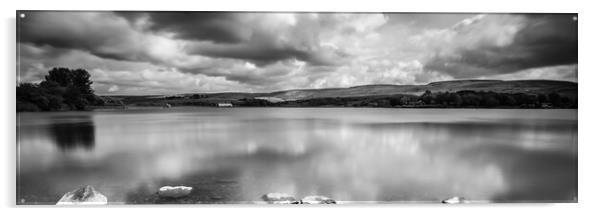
x=234, y=155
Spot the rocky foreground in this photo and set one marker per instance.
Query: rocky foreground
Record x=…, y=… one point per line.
x=87, y=195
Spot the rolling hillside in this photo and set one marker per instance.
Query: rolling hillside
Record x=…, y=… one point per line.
x=568, y=89
x=563, y=88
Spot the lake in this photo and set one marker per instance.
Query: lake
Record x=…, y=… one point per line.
x=235, y=155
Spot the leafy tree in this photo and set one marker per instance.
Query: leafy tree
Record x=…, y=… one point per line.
x=62, y=76
x=455, y=99
x=508, y=100
x=555, y=99
x=471, y=100
x=427, y=97
x=542, y=98
x=491, y=101
x=62, y=88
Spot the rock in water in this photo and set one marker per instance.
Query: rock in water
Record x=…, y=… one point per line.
x=83, y=196
x=278, y=198
x=284, y=202
x=317, y=200
x=174, y=191
x=455, y=200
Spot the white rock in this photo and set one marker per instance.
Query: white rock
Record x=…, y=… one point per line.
x=455, y=200
x=174, y=191
x=83, y=196
x=278, y=198
x=318, y=200
x=283, y=202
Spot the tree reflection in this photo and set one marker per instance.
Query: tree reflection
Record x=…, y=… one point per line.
x=72, y=135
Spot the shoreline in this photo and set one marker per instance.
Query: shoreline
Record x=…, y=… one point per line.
x=112, y=108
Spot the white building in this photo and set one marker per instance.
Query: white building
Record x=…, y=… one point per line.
x=224, y=104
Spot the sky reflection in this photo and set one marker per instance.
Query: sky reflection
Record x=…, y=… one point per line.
x=236, y=155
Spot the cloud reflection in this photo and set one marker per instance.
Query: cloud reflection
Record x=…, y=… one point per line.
x=249, y=152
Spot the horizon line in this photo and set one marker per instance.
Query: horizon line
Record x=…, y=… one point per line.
x=355, y=86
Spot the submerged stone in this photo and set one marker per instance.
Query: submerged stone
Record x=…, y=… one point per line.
x=174, y=191
x=318, y=200
x=86, y=195
x=284, y=202
x=278, y=198
x=455, y=200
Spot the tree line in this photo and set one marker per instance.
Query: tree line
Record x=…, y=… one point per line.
x=460, y=99
x=61, y=89
x=70, y=89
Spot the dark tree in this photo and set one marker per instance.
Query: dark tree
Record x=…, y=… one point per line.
x=490, y=101
x=542, y=98
x=427, y=97
x=62, y=76
x=455, y=99
x=62, y=88
x=555, y=99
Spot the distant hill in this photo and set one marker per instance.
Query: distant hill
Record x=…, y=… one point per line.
x=568, y=89
x=528, y=87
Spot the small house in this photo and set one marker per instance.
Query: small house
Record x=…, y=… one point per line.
x=224, y=105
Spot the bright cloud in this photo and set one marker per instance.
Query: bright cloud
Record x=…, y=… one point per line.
x=167, y=53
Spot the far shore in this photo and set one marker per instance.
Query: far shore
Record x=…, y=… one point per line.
x=135, y=107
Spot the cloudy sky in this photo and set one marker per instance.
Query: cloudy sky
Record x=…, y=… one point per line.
x=183, y=52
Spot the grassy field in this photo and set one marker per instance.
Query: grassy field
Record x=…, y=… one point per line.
x=532, y=87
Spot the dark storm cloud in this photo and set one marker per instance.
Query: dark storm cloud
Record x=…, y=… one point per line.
x=141, y=52
x=264, y=53
x=239, y=36
x=544, y=40
x=426, y=20
x=101, y=34
x=218, y=27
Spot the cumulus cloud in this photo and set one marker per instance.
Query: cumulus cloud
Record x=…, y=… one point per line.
x=177, y=52
x=212, y=26
x=562, y=72
x=98, y=33
x=500, y=44
x=113, y=88
x=379, y=72
x=263, y=38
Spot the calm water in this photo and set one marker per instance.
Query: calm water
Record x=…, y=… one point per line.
x=235, y=155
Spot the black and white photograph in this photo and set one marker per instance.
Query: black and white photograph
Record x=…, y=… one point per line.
x=269, y=107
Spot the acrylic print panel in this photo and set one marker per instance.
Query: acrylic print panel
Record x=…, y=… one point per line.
x=257, y=107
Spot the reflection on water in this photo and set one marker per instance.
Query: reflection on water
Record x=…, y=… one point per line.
x=71, y=135
x=236, y=155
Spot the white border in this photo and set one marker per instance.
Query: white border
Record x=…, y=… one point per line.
x=589, y=102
